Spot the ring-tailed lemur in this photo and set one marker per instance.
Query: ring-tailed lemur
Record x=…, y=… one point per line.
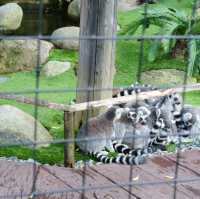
x=137, y=135
x=139, y=140
x=161, y=121
x=185, y=120
x=104, y=129
x=155, y=124
x=162, y=127
x=170, y=106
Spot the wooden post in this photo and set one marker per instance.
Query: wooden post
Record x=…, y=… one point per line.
x=96, y=61
x=69, y=134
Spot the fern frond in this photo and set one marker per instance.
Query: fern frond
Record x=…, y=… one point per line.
x=154, y=50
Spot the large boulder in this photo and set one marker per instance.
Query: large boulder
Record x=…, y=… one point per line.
x=11, y=15
x=74, y=9
x=17, y=126
x=66, y=32
x=19, y=55
x=165, y=77
x=53, y=68
x=125, y=5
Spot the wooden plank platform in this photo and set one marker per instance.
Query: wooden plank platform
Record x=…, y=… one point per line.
x=155, y=179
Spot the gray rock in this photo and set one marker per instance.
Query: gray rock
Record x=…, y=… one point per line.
x=11, y=15
x=19, y=55
x=66, y=32
x=74, y=9
x=53, y=68
x=17, y=126
x=165, y=77
x=125, y=5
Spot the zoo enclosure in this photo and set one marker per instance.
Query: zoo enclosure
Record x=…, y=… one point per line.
x=97, y=37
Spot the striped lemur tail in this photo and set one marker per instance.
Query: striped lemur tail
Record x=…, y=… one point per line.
x=134, y=88
x=127, y=159
x=157, y=142
x=126, y=150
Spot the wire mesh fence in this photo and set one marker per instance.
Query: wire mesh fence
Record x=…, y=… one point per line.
x=68, y=141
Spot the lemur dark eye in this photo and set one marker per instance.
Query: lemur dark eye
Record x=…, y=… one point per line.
x=175, y=98
x=132, y=115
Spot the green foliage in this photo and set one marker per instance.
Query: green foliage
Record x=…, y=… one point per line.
x=171, y=147
x=170, y=21
x=54, y=154
x=112, y=154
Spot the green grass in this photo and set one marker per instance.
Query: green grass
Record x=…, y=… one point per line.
x=64, y=55
x=193, y=98
x=54, y=154
x=127, y=61
x=51, y=119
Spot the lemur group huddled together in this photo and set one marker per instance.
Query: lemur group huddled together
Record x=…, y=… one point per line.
x=135, y=129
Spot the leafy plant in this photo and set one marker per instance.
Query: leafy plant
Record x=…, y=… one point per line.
x=171, y=22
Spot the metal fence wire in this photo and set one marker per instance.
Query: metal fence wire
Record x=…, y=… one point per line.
x=37, y=91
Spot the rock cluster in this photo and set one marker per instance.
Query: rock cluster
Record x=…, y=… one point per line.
x=165, y=77
x=68, y=37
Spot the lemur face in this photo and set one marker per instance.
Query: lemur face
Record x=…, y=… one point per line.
x=187, y=119
x=139, y=115
x=143, y=114
x=132, y=115
x=176, y=101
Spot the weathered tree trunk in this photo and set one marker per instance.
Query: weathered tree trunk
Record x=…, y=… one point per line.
x=96, y=62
